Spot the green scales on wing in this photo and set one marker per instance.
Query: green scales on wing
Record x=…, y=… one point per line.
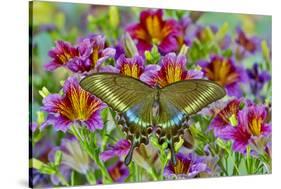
x=146, y=108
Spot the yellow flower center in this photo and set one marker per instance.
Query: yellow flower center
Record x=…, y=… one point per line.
x=228, y=114
x=255, y=126
x=64, y=58
x=221, y=72
x=181, y=167
x=115, y=174
x=131, y=70
x=154, y=28
x=173, y=74
x=95, y=57
x=76, y=106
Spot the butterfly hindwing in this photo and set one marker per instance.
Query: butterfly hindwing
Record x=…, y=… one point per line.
x=179, y=100
x=131, y=97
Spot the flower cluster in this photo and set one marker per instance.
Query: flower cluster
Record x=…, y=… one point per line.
x=76, y=137
x=245, y=126
x=88, y=54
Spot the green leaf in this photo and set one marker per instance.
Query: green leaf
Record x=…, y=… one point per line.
x=221, y=143
x=44, y=92
x=41, y=167
x=265, y=51
x=40, y=117
x=222, y=31
x=58, y=157
x=113, y=17
x=153, y=56
x=227, y=53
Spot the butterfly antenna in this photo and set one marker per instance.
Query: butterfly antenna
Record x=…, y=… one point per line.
x=129, y=156
x=173, y=155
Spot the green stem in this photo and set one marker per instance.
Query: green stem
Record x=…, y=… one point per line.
x=237, y=162
x=91, y=178
x=61, y=179
x=226, y=163
x=153, y=174
x=72, y=178
x=164, y=161
x=92, y=151
x=136, y=172
x=248, y=162
x=223, y=168
x=234, y=162
x=107, y=177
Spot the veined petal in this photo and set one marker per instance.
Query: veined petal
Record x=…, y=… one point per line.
x=76, y=105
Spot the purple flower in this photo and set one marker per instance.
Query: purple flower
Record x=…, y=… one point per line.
x=74, y=106
x=73, y=157
x=120, y=149
x=173, y=69
x=251, y=127
x=212, y=163
x=133, y=67
x=61, y=55
x=33, y=126
x=246, y=45
x=257, y=78
x=118, y=172
x=41, y=151
x=38, y=179
x=224, y=72
x=92, y=54
x=152, y=29
x=205, y=35
x=188, y=166
x=87, y=55
x=42, y=148
x=222, y=120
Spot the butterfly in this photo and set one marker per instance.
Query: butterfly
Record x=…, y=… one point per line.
x=146, y=109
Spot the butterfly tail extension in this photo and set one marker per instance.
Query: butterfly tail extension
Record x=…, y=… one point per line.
x=172, y=150
x=171, y=135
x=129, y=156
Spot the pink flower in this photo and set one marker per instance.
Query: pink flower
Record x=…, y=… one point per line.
x=152, y=29
x=252, y=126
x=133, y=67
x=224, y=72
x=173, y=69
x=61, y=55
x=85, y=56
x=222, y=119
x=120, y=149
x=75, y=105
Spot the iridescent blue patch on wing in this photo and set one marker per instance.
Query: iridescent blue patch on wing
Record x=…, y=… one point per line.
x=177, y=119
x=132, y=117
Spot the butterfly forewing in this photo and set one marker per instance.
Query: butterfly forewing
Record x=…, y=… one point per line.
x=124, y=94
x=190, y=96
